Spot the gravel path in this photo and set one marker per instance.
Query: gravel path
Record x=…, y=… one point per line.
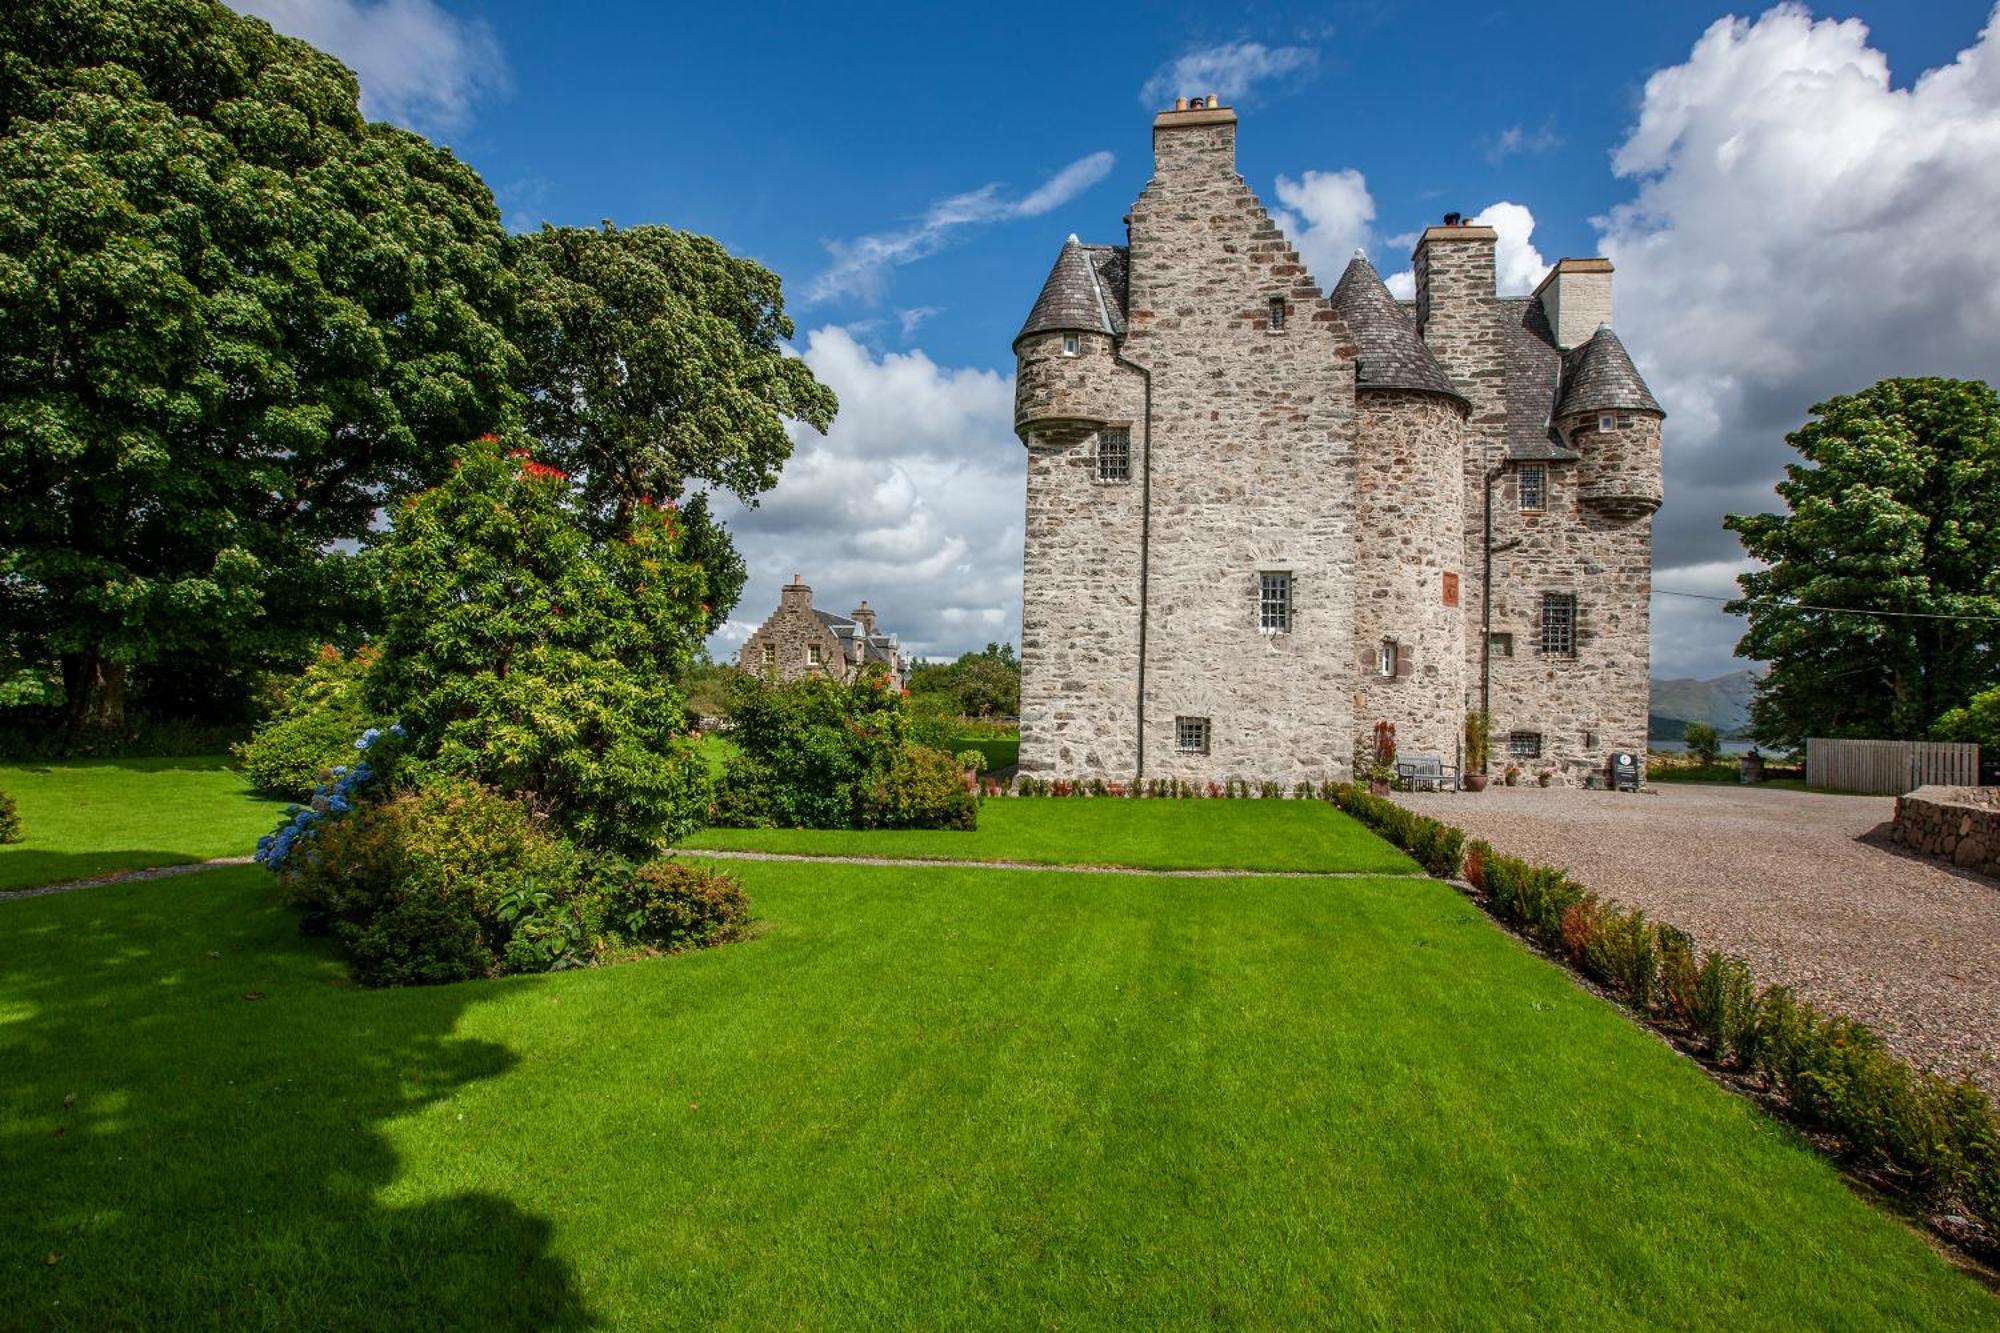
x=125, y=877
x=1786, y=880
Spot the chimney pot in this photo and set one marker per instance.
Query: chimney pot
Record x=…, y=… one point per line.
x=1212, y=103
x=1454, y=219
x=1180, y=104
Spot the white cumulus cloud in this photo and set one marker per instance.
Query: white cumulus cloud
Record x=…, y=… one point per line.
x=914, y=500
x=419, y=65
x=1327, y=216
x=1230, y=71
x=860, y=266
x=1800, y=226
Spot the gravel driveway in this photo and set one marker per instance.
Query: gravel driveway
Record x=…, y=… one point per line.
x=1784, y=879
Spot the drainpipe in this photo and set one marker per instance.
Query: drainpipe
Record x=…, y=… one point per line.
x=1487, y=551
x=1145, y=548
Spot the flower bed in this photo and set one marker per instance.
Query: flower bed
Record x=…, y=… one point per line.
x=1935, y=1140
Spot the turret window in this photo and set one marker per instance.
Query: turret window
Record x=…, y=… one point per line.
x=1607, y=421
x=1114, y=454
x=1274, y=602
x=1533, y=481
x=1071, y=344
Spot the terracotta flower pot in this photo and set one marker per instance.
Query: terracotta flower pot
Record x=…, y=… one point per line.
x=1475, y=782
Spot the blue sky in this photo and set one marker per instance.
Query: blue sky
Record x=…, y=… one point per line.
x=1792, y=213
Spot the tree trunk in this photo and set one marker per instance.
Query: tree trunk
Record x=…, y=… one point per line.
x=94, y=693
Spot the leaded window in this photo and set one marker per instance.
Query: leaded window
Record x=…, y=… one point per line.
x=1274, y=601
x=1558, y=624
x=770, y=654
x=1114, y=454
x=1191, y=735
x=1533, y=480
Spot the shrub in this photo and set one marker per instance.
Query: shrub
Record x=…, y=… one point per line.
x=532, y=655
x=1725, y=1005
x=10, y=820
x=921, y=788
x=313, y=729
x=671, y=906
x=1622, y=956
x=414, y=886
x=1437, y=847
x=819, y=753
x=1703, y=742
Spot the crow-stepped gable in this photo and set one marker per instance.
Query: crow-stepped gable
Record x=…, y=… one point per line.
x=1260, y=519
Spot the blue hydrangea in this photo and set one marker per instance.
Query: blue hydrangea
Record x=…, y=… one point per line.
x=334, y=797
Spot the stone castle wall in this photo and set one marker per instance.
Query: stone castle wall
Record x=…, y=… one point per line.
x=1409, y=537
x=1590, y=704
x=1252, y=471
x=1080, y=571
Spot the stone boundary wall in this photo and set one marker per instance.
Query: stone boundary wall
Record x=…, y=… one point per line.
x=1956, y=824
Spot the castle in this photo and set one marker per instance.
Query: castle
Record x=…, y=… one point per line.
x=798, y=640
x=1359, y=511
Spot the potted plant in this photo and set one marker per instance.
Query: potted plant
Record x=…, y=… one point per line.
x=1512, y=775
x=1478, y=741
x=1381, y=766
x=1545, y=777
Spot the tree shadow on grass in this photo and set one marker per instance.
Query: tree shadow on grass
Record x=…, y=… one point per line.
x=225, y=1155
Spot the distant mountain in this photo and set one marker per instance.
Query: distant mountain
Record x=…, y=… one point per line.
x=1723, y=703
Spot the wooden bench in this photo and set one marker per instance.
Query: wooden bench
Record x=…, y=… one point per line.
x=1426, y=772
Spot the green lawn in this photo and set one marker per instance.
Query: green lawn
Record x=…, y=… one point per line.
x=919, y=1098
x=1156, y=835
x=93, y=816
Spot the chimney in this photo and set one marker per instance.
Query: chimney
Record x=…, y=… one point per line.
x=864, y=616
x=1454, y=271
x=796, y=595
x=1198, y=135
x=1576, y=297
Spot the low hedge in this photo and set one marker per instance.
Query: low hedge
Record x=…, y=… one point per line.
x=1937, y=1139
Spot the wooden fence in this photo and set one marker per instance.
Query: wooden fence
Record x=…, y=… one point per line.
x=1890, y=768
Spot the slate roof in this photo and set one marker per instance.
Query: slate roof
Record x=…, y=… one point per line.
x=1600, y=377
x=1390, y=355
x=857, y=646
x=1085, y=292
x=1534, y=371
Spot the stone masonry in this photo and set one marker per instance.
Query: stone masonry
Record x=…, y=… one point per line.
x=1956, y=824
x=799, y=640
x=1257, y=513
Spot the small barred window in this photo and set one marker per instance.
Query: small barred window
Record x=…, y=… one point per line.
x=1277, y=314
x=770, y=654
x=1114, y=455
x=1524, y=745
x=1534, y=484
x=1191, y=735
x=1274, y=601
x=1558, y=624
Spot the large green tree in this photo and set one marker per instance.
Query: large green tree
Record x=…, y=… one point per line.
x=1879, y=608
x=234, y=318
x=655, y=362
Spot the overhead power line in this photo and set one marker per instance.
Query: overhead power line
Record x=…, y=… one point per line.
x=1837, y=610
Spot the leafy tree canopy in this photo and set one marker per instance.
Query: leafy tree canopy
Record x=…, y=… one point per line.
x=981, y=684
x=1895, y=508
x=655, y=360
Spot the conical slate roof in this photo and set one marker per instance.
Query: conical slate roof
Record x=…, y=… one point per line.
x=1085, y=292
x=1600, y=377
x=1391, y=355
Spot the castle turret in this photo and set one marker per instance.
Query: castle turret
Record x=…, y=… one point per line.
x=1607, y=415
x=1409, y=522
x=1064, y=365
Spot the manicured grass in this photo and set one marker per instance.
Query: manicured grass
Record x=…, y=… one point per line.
x=94, y=816
x=920, y=1098
x=1153, y=835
